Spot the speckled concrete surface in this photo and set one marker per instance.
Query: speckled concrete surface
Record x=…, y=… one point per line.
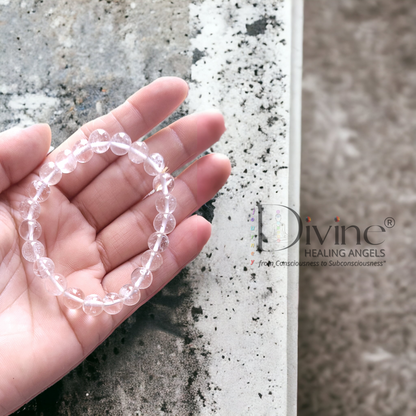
x=214, y=341
x=245, y=49
x=357, y=341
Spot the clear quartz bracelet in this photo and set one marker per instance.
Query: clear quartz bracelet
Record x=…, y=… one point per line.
x=164, y=223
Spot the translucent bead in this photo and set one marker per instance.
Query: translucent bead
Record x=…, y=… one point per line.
x=158, y=242
x=66, y=161
x=151, y=260
x=29, y=209
x=164, y=223
x=141, y=278
x=163, y=182
x=154, y=164
x=120, y=144
x=166, y=204
x=82, y=151
x=73, y=298
x=130, y=295
x=113, y=303
x=39, y=191
x=56, y=284
x=138, y=152
x=30, y=230
x=33, y=250
x=99, y=141
x=50, y=173
x=44, y=267
x=93, y=305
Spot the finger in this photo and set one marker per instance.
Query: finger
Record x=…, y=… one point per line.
x=188, y=239
x=124, y=183
x=127, y=236
x=21, y=150
x=143, y=111
x=186, y=242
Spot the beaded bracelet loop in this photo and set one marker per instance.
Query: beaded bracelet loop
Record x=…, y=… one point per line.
x=164, y=223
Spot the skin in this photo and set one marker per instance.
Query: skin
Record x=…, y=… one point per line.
x=95, y=225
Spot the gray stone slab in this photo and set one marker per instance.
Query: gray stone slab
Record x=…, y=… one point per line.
x=357, y=353
x=216, y=340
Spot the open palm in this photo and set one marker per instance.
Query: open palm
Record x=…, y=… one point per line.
x=95, y=225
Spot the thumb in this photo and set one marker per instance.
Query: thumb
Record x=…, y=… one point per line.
x=21, y=150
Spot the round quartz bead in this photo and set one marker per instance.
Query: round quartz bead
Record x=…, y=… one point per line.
x=50, y=173
x=151, y=260
x=163, y=182
x=120, y=144
x=154, y=164
x=73, y=298
x=141, y=278
x=113, y=303
x=158, y=242
x=82, y=151
x=66, y=161
x=33, y=250
x=44, y=267
x=56, y=284
x=166, y=204
x=29, y=209
x=138, y=152
x=39, y=191
x=164, y=223
x=30, y=230
x=130, y=295
x=99, y=141
x=93, y=305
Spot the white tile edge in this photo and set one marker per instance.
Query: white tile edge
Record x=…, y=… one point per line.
x=294, y=200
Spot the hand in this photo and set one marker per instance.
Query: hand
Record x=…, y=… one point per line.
x=95, y=225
